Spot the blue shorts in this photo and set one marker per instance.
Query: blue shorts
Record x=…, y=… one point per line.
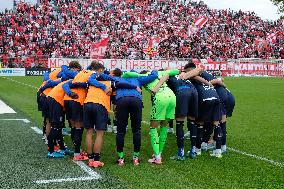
x=74, y=110
x=223, y=95
x=227, y=100
x=186, y=103
x=230, y=105
x=43, y=106
x=56, y=113
x=209, y=110
x=95, y=116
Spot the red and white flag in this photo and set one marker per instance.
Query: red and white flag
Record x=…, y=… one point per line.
x=200, y=22
x=98, y=49
x=271, y=37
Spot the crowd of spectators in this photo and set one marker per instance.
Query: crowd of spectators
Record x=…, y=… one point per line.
x=67, y=28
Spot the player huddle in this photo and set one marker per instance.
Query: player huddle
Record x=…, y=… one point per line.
x=85, y=97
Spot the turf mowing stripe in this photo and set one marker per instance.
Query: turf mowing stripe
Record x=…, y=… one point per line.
x=37, y=130
x=87, y=169
x=20, y=82
x=65, y=180
x=258, y=157
x=24, y=120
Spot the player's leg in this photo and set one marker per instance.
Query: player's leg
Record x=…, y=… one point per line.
x=154, y=137
x=101, y=127
x=122, y=121
x=216, y=117
x=230, y=104
x=181, y=111
x=136, y=118
x=89, y=118
x=191, y=121
x=76, y=118
x=54, y=129
x=45, y=114
x=114, y=128
x=171, y=126
x=158, y=113
x=223, y=125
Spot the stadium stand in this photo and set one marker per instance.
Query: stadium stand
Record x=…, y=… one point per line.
x=67, y=28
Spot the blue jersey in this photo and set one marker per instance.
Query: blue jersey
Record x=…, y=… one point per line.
x=221, y=90
x=205, y=92
x=175, y=83
x=137, y=81
x=207, y=76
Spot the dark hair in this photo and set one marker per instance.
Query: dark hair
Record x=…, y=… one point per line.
x=75, y=64
x=143, y=72
x=95, y=65
x=190, y=64
x=117, y=72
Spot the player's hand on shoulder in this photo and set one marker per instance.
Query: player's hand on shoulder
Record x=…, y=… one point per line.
x=139, y=89
x=108, y=91
x=74, y=95
x=182, y=75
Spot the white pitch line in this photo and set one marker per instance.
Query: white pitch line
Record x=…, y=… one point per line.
x=258, y=157
x=37, y=130
x=65, y=180
x=4, y=108
x=87, y=169
x=21, y=83
x=93, y=174
x=24, y=120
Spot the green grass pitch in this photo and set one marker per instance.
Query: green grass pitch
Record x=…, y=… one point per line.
x=257, y=127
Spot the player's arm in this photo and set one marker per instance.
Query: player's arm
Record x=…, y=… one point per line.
x=49, y=83
x=202, y=80
x=106, y=77
x=67, y=73
x=191, y=73
x=132, y=74
x=172, y=72
x=218, y=82
x=93, y=81
x=68, y=85
x=160, y=83
x=46, y=76
x=148, y=79
x=124, y=85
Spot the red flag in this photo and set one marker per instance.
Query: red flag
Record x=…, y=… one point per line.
x=98, y=50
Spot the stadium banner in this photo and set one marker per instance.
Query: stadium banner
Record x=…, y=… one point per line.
x=227, y=68
x=36, y=71
x=123, y=64
x=138, y=65
x=12, y=72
